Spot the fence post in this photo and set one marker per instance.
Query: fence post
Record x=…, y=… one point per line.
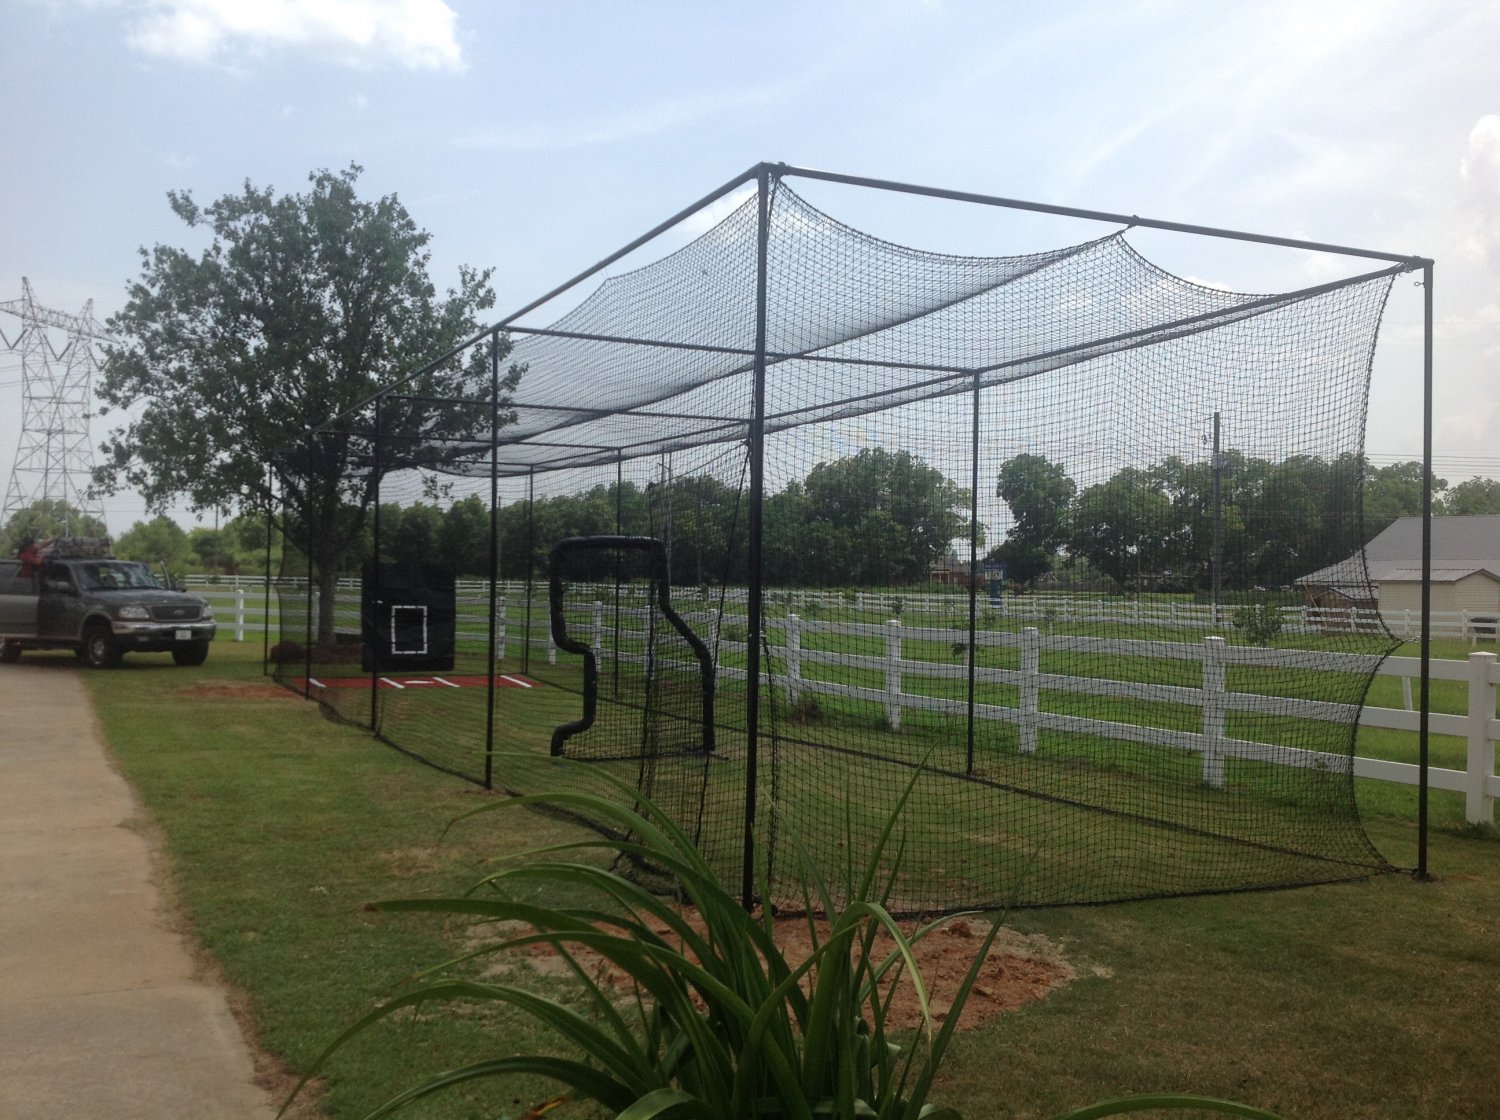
x=598, y=642
x=793, y=658
x=239, y=614
x=551, y=645
x=1031, y=689
x=499, y=625
x=1478, y=808
x=893, y=674
x=1213, y=711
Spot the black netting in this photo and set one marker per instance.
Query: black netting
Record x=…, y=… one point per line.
x=1024, y=526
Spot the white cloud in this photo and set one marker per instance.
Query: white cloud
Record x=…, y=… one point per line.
x=1479, y=171
x=416, y=34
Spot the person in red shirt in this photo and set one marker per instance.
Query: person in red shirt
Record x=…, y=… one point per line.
x=30, y=557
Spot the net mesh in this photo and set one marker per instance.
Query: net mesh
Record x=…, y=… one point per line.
x=1027, y=527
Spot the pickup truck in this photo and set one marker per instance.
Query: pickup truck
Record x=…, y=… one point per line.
x=101, y=609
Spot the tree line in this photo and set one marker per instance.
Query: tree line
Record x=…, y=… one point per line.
x=877, y=518
x=1153, y=528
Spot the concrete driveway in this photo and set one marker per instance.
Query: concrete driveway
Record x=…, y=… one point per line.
x=102, y=1009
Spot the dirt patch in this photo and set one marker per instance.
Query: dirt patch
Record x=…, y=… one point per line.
x=1020, y=968
x=237, y=690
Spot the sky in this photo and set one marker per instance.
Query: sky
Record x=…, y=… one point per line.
x=538, y=138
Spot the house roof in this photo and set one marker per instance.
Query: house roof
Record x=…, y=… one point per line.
x=1439, y=575
x=1461, y=546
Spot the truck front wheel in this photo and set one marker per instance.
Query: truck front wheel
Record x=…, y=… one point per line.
x=195, y=654
x=100, y=650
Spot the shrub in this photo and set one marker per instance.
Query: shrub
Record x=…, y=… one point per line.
x=1259, y=622
x=727, y=1028
x=286, y=652
x=723, y=1026
x=807, y=710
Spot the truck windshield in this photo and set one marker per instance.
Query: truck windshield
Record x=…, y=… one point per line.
x=116, y=577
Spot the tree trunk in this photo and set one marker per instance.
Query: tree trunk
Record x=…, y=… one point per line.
x=327, y=584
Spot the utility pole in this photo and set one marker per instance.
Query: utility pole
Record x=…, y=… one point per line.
x=54, y=457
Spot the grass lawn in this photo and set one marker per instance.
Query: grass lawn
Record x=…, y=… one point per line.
x=1373, y=998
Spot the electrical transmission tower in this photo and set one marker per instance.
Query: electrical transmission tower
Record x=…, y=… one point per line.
x=54, y=456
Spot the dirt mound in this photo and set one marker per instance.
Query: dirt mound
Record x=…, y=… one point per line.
x=1019, y=969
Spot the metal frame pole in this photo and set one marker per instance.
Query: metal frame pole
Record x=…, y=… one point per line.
x=619, y=560
x=757, y=448
x=1426, y=651
x=973, y=575
x=309, y=635
x=372, y=594
x=265, y=644
x=530, y=563
x=494, y=561
x=1216, y=555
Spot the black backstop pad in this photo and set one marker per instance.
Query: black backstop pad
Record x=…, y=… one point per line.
x=408, y=615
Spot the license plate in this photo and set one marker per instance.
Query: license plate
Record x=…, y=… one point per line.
x=184, y=635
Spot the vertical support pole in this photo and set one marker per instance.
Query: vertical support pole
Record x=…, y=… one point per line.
x=239, y=614
x=598, y=635
x=530, y=564
x=1479, y=807
x=374, y=573
x=1423, y=755
x=793, y=658
x=893, y=674
x=1031, y=690
x=312, y=606
x=755, y=528
x=491, y=693
x=1213, y=711
x=265, y=640
x=973, y=577
x=1217, y=557
x=619, y=558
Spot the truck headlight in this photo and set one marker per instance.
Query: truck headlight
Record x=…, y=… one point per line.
x=208, y=613
x=133, y=611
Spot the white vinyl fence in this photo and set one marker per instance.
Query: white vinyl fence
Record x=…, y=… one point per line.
x=1478, y=726
x=240, y=609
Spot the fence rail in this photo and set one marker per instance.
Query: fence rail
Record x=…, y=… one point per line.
x=1479, y=726
x=1473, y=626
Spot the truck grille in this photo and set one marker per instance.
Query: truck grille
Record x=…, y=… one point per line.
x=176, y=612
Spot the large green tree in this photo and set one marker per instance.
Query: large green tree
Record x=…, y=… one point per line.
x=44, y=518
x=158, y=541
x=877, y=518
x=300, y=308
x=1039, y=494
x=1393, y=492
x=1121, y=527
x=1476, y=496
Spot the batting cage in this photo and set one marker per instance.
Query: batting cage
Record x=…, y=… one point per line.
x=781, y=521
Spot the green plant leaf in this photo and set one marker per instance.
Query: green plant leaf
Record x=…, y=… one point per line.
x=1173, y=1101
x=668, y=1104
